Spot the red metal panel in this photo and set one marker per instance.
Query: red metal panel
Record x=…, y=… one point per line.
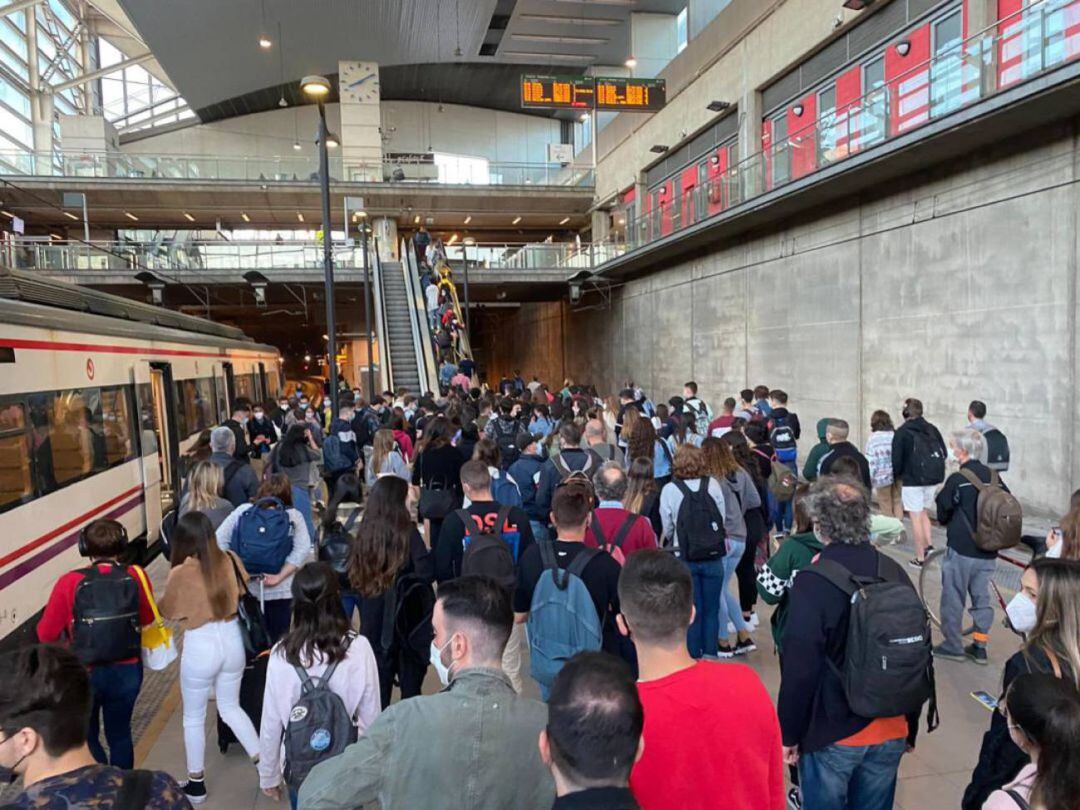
x=665, y=202
x=629, y=196
x=803, y=137
x=908, y=80
x=848, y=92
x=1072, y=30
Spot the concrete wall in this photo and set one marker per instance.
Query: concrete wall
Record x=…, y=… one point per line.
x=411, y=127
x=959, y=286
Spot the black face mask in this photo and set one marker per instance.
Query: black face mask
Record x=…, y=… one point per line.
x=8, y=775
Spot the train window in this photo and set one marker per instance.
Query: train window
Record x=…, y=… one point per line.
x=245, y=386
x=16, y=478
x=148, y=430
x=219, y=396
x=117, y=422
x=69, y=439
x=195, y=406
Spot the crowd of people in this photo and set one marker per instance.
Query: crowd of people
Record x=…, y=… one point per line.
x=607, y=551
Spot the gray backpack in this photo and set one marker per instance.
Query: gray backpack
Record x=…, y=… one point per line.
x=319, y=727
x=562, y=616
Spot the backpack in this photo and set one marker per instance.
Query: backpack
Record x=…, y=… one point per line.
x=566, y=473
x=782, y=438
x=230, y=472
x=505, y=491
x=888, y=666
x=407, y=611
x=699, y=524
x=490, y=551
x=319, y=726
x=701, y=416
x=562, y=616
x=263, y=537
x=106, y=625
x=338, y=455
x=336, y=544
x=927, y=458
x=997, y=450
x=998, y=514
x=614, y=548
x=506, y=434
x=782, y=482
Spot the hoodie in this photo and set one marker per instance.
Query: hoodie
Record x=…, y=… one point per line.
x=526, y=472
x=903, y=451
x=786, y=417
x=818, y=450
x=840, y=450
x=340, y=449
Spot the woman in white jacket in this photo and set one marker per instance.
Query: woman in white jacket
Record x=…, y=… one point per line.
x=275, y=589
x=319, y=641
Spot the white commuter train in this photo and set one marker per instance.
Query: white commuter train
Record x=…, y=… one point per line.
x=99, y=396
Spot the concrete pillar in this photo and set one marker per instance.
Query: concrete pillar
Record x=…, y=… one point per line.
x=750, y=113
x=653, y=42
x=386, y=231
x=361, y=138
x=601, y=225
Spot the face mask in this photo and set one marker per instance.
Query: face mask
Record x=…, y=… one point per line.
x=436, y=661
x=1021, y=613
x=8, y=775
x=1054, y=552
x=303, y=404
x=258, y=416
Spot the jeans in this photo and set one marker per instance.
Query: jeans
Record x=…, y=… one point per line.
x=114, y=688
x=730, y=611
x=213, y=657
x=708, y=579
x=963, y=577
x=843, y=777
x=782, y=513
x=539, y=530
x=301, y=497
x=278, y=615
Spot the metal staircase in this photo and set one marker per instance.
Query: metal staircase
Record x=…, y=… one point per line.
x=400, y=340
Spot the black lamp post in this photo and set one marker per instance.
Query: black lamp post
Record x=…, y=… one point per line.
x=318, y=88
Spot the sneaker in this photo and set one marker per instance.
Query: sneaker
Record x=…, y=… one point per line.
x=195, y=790
x=976, y=653
x=941, y=651
x=731, y=628
x=744, y=646
x=725, y=651
x=794, y=799
x=753, y=621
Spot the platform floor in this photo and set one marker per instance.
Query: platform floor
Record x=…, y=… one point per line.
x=932, y=777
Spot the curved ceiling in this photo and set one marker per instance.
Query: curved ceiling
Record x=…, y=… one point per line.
x=210, y=49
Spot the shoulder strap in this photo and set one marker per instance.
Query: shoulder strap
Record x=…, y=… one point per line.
x=835, y=573
x=501, y=518
x=231, y=469
x=351, y=521
x=583, y=558
x=236, y=571
x=624, y=530
x=134, y=790
x=598, y=530
x=547, y=556
x=466, y=520
x=1021, y=802
x=306, y=684
x=975, y=481
x=681, y=486
x=564, y=468
x=324, y=679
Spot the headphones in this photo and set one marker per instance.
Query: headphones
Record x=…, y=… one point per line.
x=84, y=550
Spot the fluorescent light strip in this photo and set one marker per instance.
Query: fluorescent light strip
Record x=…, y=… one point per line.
x=600, y=2
x=559, y=19
x=71, y=216
x=516, y=221
x=245, y=217
x=561, y=39
x=131, y=216
x=468, y=219
x=7, y=214
x=188, y=217
x=551, y=57
x=564, y=220
x=299, y=217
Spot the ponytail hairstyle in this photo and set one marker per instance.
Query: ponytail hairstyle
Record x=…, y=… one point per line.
x=1046, y=710
x=319, y=629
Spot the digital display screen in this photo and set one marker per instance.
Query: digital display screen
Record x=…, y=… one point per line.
x=557, y=92
x=630, y=94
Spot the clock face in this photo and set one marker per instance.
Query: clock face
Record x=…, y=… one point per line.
x=359, y=82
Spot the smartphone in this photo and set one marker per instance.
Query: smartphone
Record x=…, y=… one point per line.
x=986, y=699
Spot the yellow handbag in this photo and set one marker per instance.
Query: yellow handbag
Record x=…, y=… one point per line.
x=158, y=648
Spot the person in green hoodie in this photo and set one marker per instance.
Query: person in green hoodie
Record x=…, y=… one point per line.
x=816, y=452
x=778, y=574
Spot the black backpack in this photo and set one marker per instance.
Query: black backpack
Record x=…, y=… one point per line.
x=997, y=450
x=506, y=434
x=319, y=726
x=407, y=610
x=106, y=616
x=487, y=551
x=927, y=457
x=699, y=524
x=336, y=545
x=888, y=661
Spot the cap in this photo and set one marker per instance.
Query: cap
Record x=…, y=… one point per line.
x=524, y=441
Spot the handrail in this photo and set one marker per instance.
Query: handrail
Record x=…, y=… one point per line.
x=379, y=311
x=463, y=333
x=421, y=323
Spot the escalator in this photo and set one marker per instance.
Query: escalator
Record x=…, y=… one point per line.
x=405, y=351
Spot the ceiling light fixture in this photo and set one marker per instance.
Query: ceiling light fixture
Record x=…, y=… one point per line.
x=559, y=19
x=584, y=118
x=630, y=62
x=281, y=102
x=452, y=239
x=131, y=216
x=264, y=42
x=550, y=57
x=296, y=145
x=600, y=2
x=517, y=219
x=71, y=216
x=718, y=106
x=315, y=86
x=903, y=47
x=468, y=219
x=299, y=216
x=188, y=217
x=245, y=217
x=416, y=220
x=564, y=220
x=561, y=39
x=332, y=141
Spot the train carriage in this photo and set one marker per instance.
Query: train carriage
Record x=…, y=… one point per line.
x=99, y=397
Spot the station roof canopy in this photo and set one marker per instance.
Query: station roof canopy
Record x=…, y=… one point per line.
x=210, y=48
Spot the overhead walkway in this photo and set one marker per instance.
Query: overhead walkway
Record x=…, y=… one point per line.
x=401, y=326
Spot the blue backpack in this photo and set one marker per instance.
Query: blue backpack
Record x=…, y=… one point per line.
x=562, y=616
x=263, y=538
x=505, y=491
x=339, y=455
x=782, y=439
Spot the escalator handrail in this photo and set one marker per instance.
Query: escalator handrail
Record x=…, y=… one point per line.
x=466, y=345
x=428, y=372
x=381, y=328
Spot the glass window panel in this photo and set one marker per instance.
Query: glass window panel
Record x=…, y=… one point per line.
x=64, y=16
x=18, y=19
x=108, y=54
x=14, y=97
x=15, y=64
x=681, y=37
x=946, y=69
x=13, y=39
x=827, y=128
x=68, y=438
x=16, y=476
x=117, y=422
x=15, y=127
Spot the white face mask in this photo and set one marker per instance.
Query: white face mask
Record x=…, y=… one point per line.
x=1021, y=613
x=436, y=661
x=258, y=416
x=1054, y=552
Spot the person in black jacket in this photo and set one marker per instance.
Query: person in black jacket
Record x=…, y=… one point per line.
x=836, y=435
x=241, y=415
x=815, y=717
x=967, y=569
x=918, y=460
x=526, y=472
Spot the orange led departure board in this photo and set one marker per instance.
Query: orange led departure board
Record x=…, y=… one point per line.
x=557, y=92
x=625, y=94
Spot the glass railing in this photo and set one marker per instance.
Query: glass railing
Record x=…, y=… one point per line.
x=449, y=170
x=540, y=257
x=1017, y=48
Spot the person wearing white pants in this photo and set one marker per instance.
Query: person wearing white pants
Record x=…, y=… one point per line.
x=202, y=591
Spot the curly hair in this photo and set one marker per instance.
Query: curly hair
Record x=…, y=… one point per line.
x=840, y=509
x=689, y=463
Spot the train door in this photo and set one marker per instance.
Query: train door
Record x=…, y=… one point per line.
x=264, y=389
x=158, y=446
x=230, y=385
x=221, y=398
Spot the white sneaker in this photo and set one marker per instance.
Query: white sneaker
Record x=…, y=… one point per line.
x=753, y=620
x=730, y=628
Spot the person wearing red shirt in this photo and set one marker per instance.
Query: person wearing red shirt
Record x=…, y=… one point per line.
x=114, y=685
x=610, y=486
x=722, y=424
x=734, y=759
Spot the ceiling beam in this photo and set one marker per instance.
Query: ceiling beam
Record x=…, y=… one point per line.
x=19, y=6
x=97, y=74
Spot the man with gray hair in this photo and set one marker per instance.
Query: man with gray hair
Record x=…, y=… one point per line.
x=616, y=530
x=966, y=569
x=844, y=759
x=836, y=436
x=241, y=483
x=596, y=440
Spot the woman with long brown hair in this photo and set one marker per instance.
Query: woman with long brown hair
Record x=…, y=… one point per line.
x=387, y=548
x=202, y=591
x=642, y=493
x=757, y=521
x=386, y=458
x=642, y=441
